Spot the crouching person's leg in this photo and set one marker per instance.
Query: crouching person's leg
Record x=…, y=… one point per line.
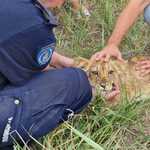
x=79, y=99
x=147, y=14
x=37, y=108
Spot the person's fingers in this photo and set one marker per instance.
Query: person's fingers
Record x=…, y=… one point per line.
x=145, y=66
x=93, y=57
x=101, y=56
x=45, y=69
x=107, y=58
x=116, y=85
x=143, y=62
x=140, y=68
x=145, y=73
x=120, y=58
x=93, y=91
x=97, y=57
x=111, y=95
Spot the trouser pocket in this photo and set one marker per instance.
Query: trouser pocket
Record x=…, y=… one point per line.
x=10, y=111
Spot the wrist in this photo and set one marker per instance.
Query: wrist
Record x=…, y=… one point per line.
x=114, y=42
x=54, y=60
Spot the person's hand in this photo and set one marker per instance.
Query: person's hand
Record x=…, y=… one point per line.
x=108, y=51
x=145, y=65
x=59, y=61
x=113, y=93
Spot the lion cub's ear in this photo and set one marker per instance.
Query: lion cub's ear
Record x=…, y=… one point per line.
x=119, y=66
x=81, y=62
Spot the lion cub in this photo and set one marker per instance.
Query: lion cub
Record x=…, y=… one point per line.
x=102, y=76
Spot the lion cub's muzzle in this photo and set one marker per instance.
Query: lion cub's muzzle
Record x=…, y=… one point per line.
x=104, y=88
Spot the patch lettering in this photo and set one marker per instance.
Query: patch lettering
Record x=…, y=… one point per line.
x=6, y=130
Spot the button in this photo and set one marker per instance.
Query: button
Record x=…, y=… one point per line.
x=16, y=102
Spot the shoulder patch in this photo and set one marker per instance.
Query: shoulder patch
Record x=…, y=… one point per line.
x=44, y=53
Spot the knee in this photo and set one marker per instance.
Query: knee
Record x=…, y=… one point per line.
x=83, y=95
x=147, y=14
x=84, y=85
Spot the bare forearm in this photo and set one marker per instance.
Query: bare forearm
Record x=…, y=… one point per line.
x=60, y=61
x=127, y=19
x=55, y=60
x=124, y=23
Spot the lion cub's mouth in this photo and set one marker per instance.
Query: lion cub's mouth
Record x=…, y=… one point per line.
x=105, y=90
x=113, y=88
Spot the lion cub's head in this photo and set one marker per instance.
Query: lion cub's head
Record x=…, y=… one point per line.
x=101, y=75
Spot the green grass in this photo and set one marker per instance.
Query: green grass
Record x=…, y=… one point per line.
x=122, y=129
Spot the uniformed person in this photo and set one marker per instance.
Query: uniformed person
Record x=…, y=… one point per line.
x=31, y=99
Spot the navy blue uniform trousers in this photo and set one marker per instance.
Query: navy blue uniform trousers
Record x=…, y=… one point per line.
x=41, y=104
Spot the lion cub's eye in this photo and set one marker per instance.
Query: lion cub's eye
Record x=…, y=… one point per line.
x=110, y=72
x=96, y=73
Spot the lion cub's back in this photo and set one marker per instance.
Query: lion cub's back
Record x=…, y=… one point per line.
x=139, y=58
x=142, y=82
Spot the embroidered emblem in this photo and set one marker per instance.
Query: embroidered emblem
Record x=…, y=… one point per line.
x=44, y=53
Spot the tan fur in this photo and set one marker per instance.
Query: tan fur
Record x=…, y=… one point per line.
x=102, y=76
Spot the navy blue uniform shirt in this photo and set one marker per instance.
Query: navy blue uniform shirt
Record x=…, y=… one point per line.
x=26, y=39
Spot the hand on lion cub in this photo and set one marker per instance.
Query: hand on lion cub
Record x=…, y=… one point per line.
x=104, y=76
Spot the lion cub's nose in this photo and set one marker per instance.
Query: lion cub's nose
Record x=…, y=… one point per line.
x=103, y=85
